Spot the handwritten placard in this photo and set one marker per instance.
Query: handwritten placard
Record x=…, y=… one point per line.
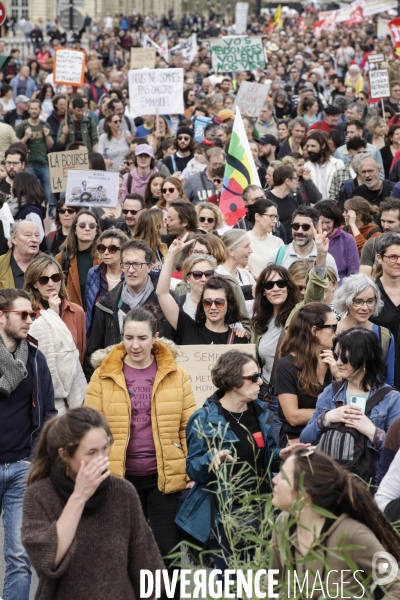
x=237, y=53
x=69, y=67
x=92, y=188
x=379, y=82
x=143, y=57
x=61, y=162
x=198, y=362
x=156, y=91
x=251, y=98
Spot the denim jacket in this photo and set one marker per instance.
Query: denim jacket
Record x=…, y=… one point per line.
x=194, y=517
x=382, y=415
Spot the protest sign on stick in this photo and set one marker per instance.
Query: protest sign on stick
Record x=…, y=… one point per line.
x=198, y=360
x=237, y=53
x=251, y=98
x=69, y=67
x=92, y=188
x=156, y=90
x=143, y=57
x=61, y=162
x=241, y=12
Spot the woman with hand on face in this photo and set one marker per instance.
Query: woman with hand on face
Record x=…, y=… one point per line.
x=363, y=372
x=359, y=220
x=358, y=299
x=329, y=520
x=160, y=132
x=210, y=218
x=69, y=526
x=216, y=311
x=59, y=330
x=104, y=277
x=64, y=218
x=114, y=143
x=78, y=254
x=147, y=398
x=306, y=367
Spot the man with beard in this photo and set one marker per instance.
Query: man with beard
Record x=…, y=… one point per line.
x=298, y=128
x=304, y=224
x=200, y=186
x=321, y=163
x=374, y=189
x=184, y=146
x=390, y=222
x=268, y=147
x=15, y=161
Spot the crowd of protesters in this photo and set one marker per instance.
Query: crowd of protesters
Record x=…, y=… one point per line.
x=105, y=456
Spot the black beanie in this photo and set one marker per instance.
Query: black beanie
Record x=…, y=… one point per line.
x=185, y=130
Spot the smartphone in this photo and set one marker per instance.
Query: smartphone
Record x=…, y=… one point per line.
x=360, y=402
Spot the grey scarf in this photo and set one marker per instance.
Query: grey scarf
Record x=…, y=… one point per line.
x=12, y=370
x=132, y=301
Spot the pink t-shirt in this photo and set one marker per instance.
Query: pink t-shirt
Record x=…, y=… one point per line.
x=141, y=453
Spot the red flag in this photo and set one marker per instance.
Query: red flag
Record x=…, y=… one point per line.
x=394, y=26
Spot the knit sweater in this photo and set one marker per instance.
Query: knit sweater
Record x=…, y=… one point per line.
x=108, y=551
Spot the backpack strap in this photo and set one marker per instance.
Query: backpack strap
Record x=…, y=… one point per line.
x=336, y=385
x=127, y=121
x=231, y=336
x=173, y=161
x=377, y=397
x=280, y=255
x=374, y=230
x=385, y=339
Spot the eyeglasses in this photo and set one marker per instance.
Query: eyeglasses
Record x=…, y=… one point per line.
x=24, y=314
x=272, y=217
x=12, y=164
x=168, y=190
x=70, y=211
x=197, y=275
x=280, y=283
x=84, y=225
x=303, y=226
x=45, y=280
x=368, y=172
x=206, y=219
x=217, y=181
x=111, y=248
x=359, y=302
x=392, y=258
x=253, y=378
x=219, y=302
x=185, y=138
x=134, y=265
x=333, y=326
x=202, y=252
x=127, y=211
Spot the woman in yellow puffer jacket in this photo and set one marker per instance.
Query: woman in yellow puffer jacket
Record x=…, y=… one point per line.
x=147, y=399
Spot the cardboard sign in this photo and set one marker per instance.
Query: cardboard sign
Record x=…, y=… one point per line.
x=379, y=82
x=198, y=360
x=251, y=98
x=69, y=67
x=241, y=11
x=375, y=58
x=92, y=188
x=156, y=91
x=237, y=53
x=143, y=57
x=62, y=162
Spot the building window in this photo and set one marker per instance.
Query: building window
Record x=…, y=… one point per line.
x=19, y=9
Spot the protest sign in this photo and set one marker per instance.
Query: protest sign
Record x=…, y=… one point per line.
x=198, y=360
x=394, y=26
x=251, y=98
x=237, y=53
x=92, y=188
x=156, y=91
x=379, y=83
x=69, y=67
x=143, y=57
x=62, y=162
x=375, y=58
x=241, y=11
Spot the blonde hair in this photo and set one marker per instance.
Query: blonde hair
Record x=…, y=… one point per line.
x=35, y=271
x=219, y=218
x=191, y=261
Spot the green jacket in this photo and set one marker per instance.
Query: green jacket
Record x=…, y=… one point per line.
x=90, y=137
x=314, y=293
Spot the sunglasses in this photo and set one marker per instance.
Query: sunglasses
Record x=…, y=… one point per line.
x=253, y=378
x=197, y=275
x=333, y=327
x=217, y=181
x=111, y=248
x=70, y=211
x=219, y=302
x=168, y=190
x=127, y=211
x=269, y=285
x=84, y=225
x=45, y=280
x=117, y=121
x=206, y=219
x=185, y=138
x=303, y=226
x=24, y=314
